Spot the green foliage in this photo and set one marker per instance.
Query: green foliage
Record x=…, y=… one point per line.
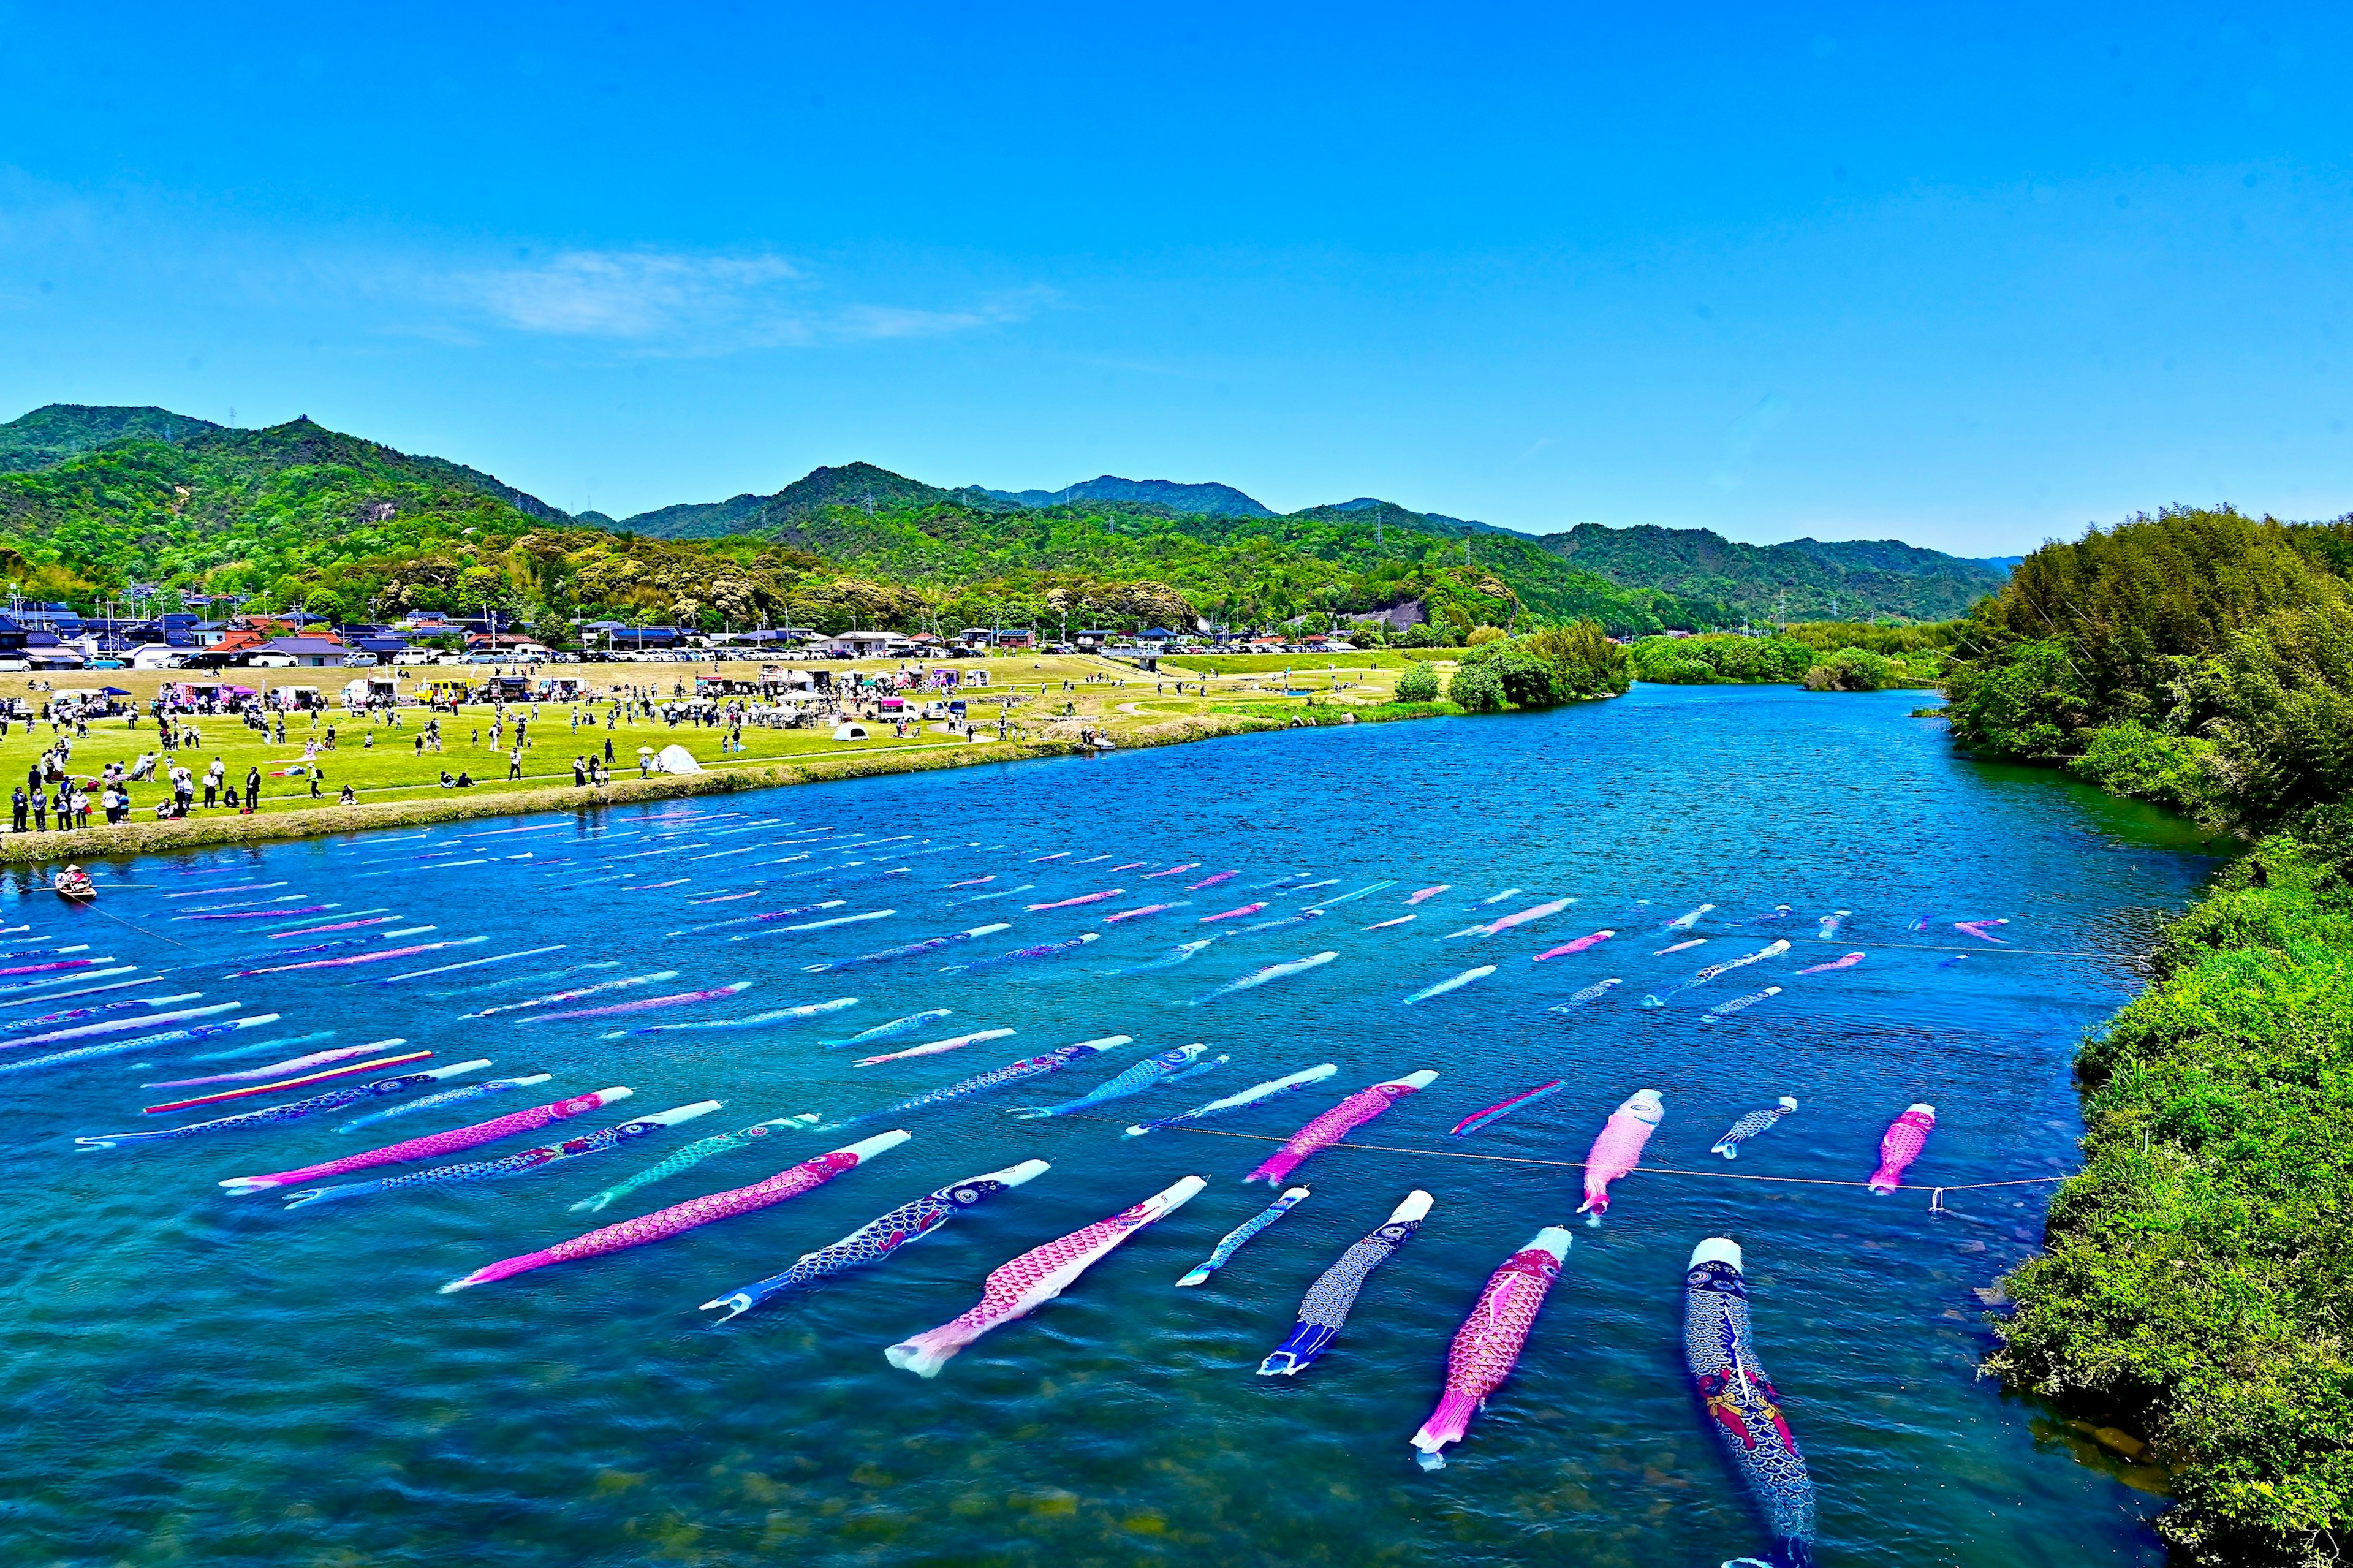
x=1855, y=669
x=2176, y=772
x=2193, y=1276
x=1699, y=661
x=1753, y=581
x=1476, y=688
x=1554, y=665
x=1829, y=637
x=2204, y=624
x=1418, y=684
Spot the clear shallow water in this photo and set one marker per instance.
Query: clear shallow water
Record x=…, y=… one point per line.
x=195, y=1378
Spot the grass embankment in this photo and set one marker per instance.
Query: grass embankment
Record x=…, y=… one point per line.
x=1389, y=658
x=2195, y=1275
x=396, y=784
x=2194, y=1281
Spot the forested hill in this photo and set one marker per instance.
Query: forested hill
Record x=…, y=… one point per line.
x=101, y=498
x=1855, y=579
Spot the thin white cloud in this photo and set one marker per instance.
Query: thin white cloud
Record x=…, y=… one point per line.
x=667, y=303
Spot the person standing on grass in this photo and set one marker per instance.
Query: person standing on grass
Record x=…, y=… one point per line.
x=515, y=761
x=579, y=773
x=317, y=775
x=252, y=790
x=17, y=808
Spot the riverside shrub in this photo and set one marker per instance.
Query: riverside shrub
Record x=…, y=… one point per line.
x=1417, y=684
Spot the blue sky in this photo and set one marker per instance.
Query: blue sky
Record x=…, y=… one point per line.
x=1972, y=280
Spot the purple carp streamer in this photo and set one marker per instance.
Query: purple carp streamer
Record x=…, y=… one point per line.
x=1593, y=993
x=679, y=1218
x=656, y=978
x=292, y=1110
x=913, y=950
x=894, y=1029
x=1016, y=1288
x=686, y=1159
x=1323, y=1312
x=121, y=1026
x=119, y=1047
x=603, y=1140
x=1771, y=949
x=1980, y=929
x=1044, y=949
x=1234, y=1240
x=1151, y=1071
x=1487, y=1346
x=997, y=1078
x=1335, y=1124
x=436, y=1145
x=680, y=999
x=878, y=1238
x=1751, y=1125
x=1848, y=961
x=78, y=1015
x=1739, y=1005
x=448, y=1097
x=1478, y=1118
x=1742, y=1403
x=1287, y=1084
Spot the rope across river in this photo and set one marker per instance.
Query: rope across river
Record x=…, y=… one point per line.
x=1936, y=1201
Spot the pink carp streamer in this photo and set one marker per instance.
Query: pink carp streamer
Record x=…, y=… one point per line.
x=60, y=964
x=1478, y=1118
x=1335, y=1124
x=1487, y=1346
x=1618, y=1149
x=121, y=1026
x=1428, y=893
x=1211, y=882
x=1901, y=1144
x=389, y=952
x=1138, y=914
x=1017, y=1288
x=1977, y=930
x=1082, y=899
x=261, y=914
x=1849, y=962
x=1172, y=871
x=679, y=1218
x=436, y=1145
x=1579, y=945
x=1533, y=912
x=935, y=1048
x=1231, y=914
x=616, y=1009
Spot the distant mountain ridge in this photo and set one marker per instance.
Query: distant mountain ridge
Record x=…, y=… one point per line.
x=114, y=494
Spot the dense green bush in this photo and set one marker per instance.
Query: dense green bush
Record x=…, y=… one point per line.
x=1855, y=669
x=2174, y=770
x=1558, y=664
x=1697, y=661
x=2195, y=622
x=2193, y=1279
x=1476, y=688
x=1417, y=684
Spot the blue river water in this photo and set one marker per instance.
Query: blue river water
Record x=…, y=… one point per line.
x=193, y=1376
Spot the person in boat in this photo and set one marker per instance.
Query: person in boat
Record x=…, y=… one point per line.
x=74, y=883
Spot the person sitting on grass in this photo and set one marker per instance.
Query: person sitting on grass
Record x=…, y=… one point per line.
x=465, y=779
x=347, y=797
x=447, y=781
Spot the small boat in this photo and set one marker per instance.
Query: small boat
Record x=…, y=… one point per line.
x=74, y=886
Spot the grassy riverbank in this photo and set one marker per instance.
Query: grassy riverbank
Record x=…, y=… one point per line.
x=2193, y=1280
x=396, y=784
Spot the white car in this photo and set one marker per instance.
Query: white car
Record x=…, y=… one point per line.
x=414, y=655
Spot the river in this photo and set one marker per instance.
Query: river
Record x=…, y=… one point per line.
x=198, y=1377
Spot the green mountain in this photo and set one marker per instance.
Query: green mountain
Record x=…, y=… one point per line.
x=63, y=430
x=1206, y=501
x=1856, y=581
x=104, y=499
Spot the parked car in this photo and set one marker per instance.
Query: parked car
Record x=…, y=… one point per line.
x=414, y=655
